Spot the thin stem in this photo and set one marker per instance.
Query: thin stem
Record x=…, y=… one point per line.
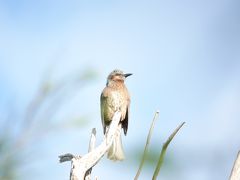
x=147, y=144
x=163, y=152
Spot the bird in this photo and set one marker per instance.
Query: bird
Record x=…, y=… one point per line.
x=115, y=97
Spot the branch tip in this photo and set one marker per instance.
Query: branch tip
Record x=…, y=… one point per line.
x=66, y=157
x=94, y=131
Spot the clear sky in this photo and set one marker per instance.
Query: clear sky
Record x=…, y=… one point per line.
x=185, y=59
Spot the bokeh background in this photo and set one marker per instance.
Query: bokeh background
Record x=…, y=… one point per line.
x=54, y=60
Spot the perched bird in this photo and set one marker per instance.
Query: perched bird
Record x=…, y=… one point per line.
x=115, y=97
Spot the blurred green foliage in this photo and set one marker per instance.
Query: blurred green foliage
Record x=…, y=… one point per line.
x=37, y=119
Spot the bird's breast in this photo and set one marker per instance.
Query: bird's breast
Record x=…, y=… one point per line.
x=118, y=98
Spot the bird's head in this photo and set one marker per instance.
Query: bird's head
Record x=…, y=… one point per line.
x=117, y=76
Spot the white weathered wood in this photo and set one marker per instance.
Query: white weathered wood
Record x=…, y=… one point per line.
x=91, y=146
x=235, y=174
x=80, y=165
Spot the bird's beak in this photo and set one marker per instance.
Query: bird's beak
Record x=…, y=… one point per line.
x=128, y=74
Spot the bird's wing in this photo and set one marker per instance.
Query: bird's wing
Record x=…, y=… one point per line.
x=125, y=121
x=103, y=101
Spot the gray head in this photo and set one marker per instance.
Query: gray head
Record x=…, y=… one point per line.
x=117, y=76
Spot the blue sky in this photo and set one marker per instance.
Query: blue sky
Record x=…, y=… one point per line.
x=184, y=56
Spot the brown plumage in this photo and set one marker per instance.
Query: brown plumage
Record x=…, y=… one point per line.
x=115, y=97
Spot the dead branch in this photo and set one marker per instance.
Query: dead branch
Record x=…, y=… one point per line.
x=235, y=174
x=81, y=164
x=90, y=148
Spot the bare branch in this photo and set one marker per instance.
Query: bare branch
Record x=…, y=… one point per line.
x=147, y=144
x=92, y=140
x=66, y=157
x=90, y=148
x=80, y=165
x=235, y=174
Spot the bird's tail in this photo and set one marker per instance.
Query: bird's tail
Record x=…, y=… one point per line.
x=116, y=152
